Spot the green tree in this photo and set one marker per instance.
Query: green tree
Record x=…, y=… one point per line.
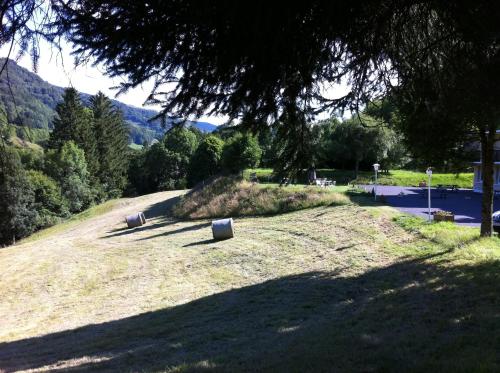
x=181, y=143
x=181, y=140
x=240, y=152
x=352, y=143
x=206, y=161
x=74, y=123
x=112, y=145
x=49, y=202
x=69, y=167
x=17, y=200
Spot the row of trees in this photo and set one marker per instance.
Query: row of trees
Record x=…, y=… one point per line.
x=86, y=162
x=185, y=157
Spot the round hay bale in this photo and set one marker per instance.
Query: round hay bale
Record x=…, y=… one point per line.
x=135, y=220
x=223, y=229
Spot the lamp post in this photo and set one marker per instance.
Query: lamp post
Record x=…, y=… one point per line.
x=429, y=174
x=376, y=166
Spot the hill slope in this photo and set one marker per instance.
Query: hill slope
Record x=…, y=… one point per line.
x=326, y=289
x=30, y=101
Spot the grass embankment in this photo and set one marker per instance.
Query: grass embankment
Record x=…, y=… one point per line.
x=350, y=287
x=394, y=177
x=233, y=197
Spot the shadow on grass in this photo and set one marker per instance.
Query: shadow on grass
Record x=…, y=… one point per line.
x=409, y=316
x=161, y=210
x=189, y=228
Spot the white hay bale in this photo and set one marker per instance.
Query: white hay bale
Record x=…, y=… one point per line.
x=223, y=229
x=135, y=220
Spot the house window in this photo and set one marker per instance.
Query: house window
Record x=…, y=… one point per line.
x=479, y=174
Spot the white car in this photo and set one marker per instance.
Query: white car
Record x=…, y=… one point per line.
x=496, y=221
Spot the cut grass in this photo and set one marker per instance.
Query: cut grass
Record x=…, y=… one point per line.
x=394, y=177
x=332, y=288
x=225, y=197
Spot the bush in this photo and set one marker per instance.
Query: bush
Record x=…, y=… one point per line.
x=227, y=196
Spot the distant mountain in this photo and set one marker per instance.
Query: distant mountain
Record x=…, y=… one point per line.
x=30, y=101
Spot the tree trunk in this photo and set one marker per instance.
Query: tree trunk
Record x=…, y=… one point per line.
x=487, y=142
x=356, y=169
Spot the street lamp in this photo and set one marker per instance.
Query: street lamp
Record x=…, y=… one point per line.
x=376, y=166
x=429, y=173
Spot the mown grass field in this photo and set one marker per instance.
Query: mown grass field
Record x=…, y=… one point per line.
x=349, y=287
x=394, y=177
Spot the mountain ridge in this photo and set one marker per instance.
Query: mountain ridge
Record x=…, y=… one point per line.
x=29, y=101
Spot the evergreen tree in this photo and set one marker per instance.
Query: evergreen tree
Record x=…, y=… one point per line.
x=74, y=123
x=112, y=145
x=17, y=211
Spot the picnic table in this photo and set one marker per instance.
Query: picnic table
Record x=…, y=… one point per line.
x=325, y=182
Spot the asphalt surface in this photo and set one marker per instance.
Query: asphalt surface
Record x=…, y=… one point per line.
x=464, y=203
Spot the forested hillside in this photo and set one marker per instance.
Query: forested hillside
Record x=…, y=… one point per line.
x=29, y=101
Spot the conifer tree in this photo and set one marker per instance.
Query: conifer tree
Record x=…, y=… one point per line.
x=74, y=123
x=112, y=145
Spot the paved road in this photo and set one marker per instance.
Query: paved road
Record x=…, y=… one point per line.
x=464, y=203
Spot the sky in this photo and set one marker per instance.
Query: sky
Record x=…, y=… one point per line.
x=58, y=69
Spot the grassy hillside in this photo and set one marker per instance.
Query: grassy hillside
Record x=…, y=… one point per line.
x=27, y=100
x=352, y=287
x=226, y=197
x=394, y=177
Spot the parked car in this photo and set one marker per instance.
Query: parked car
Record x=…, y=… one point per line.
x=496, y=221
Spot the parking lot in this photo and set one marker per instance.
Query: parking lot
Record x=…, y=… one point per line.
x=464, y=203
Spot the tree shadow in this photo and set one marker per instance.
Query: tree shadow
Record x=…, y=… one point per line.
x=409, y=316
x=188, y=228
x=148, y=226
x=161, y=210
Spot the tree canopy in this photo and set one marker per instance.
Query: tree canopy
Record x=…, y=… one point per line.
x=268, y=63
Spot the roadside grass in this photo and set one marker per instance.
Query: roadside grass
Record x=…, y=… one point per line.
x=394, y=177
x=348, y=287
x=229, y=196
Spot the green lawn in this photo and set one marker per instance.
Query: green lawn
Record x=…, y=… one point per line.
x=353, y=287
x=395, y=177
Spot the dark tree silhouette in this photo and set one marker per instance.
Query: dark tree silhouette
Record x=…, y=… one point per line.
x=269, y=62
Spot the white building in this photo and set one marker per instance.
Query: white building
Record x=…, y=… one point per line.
x=478, y=174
